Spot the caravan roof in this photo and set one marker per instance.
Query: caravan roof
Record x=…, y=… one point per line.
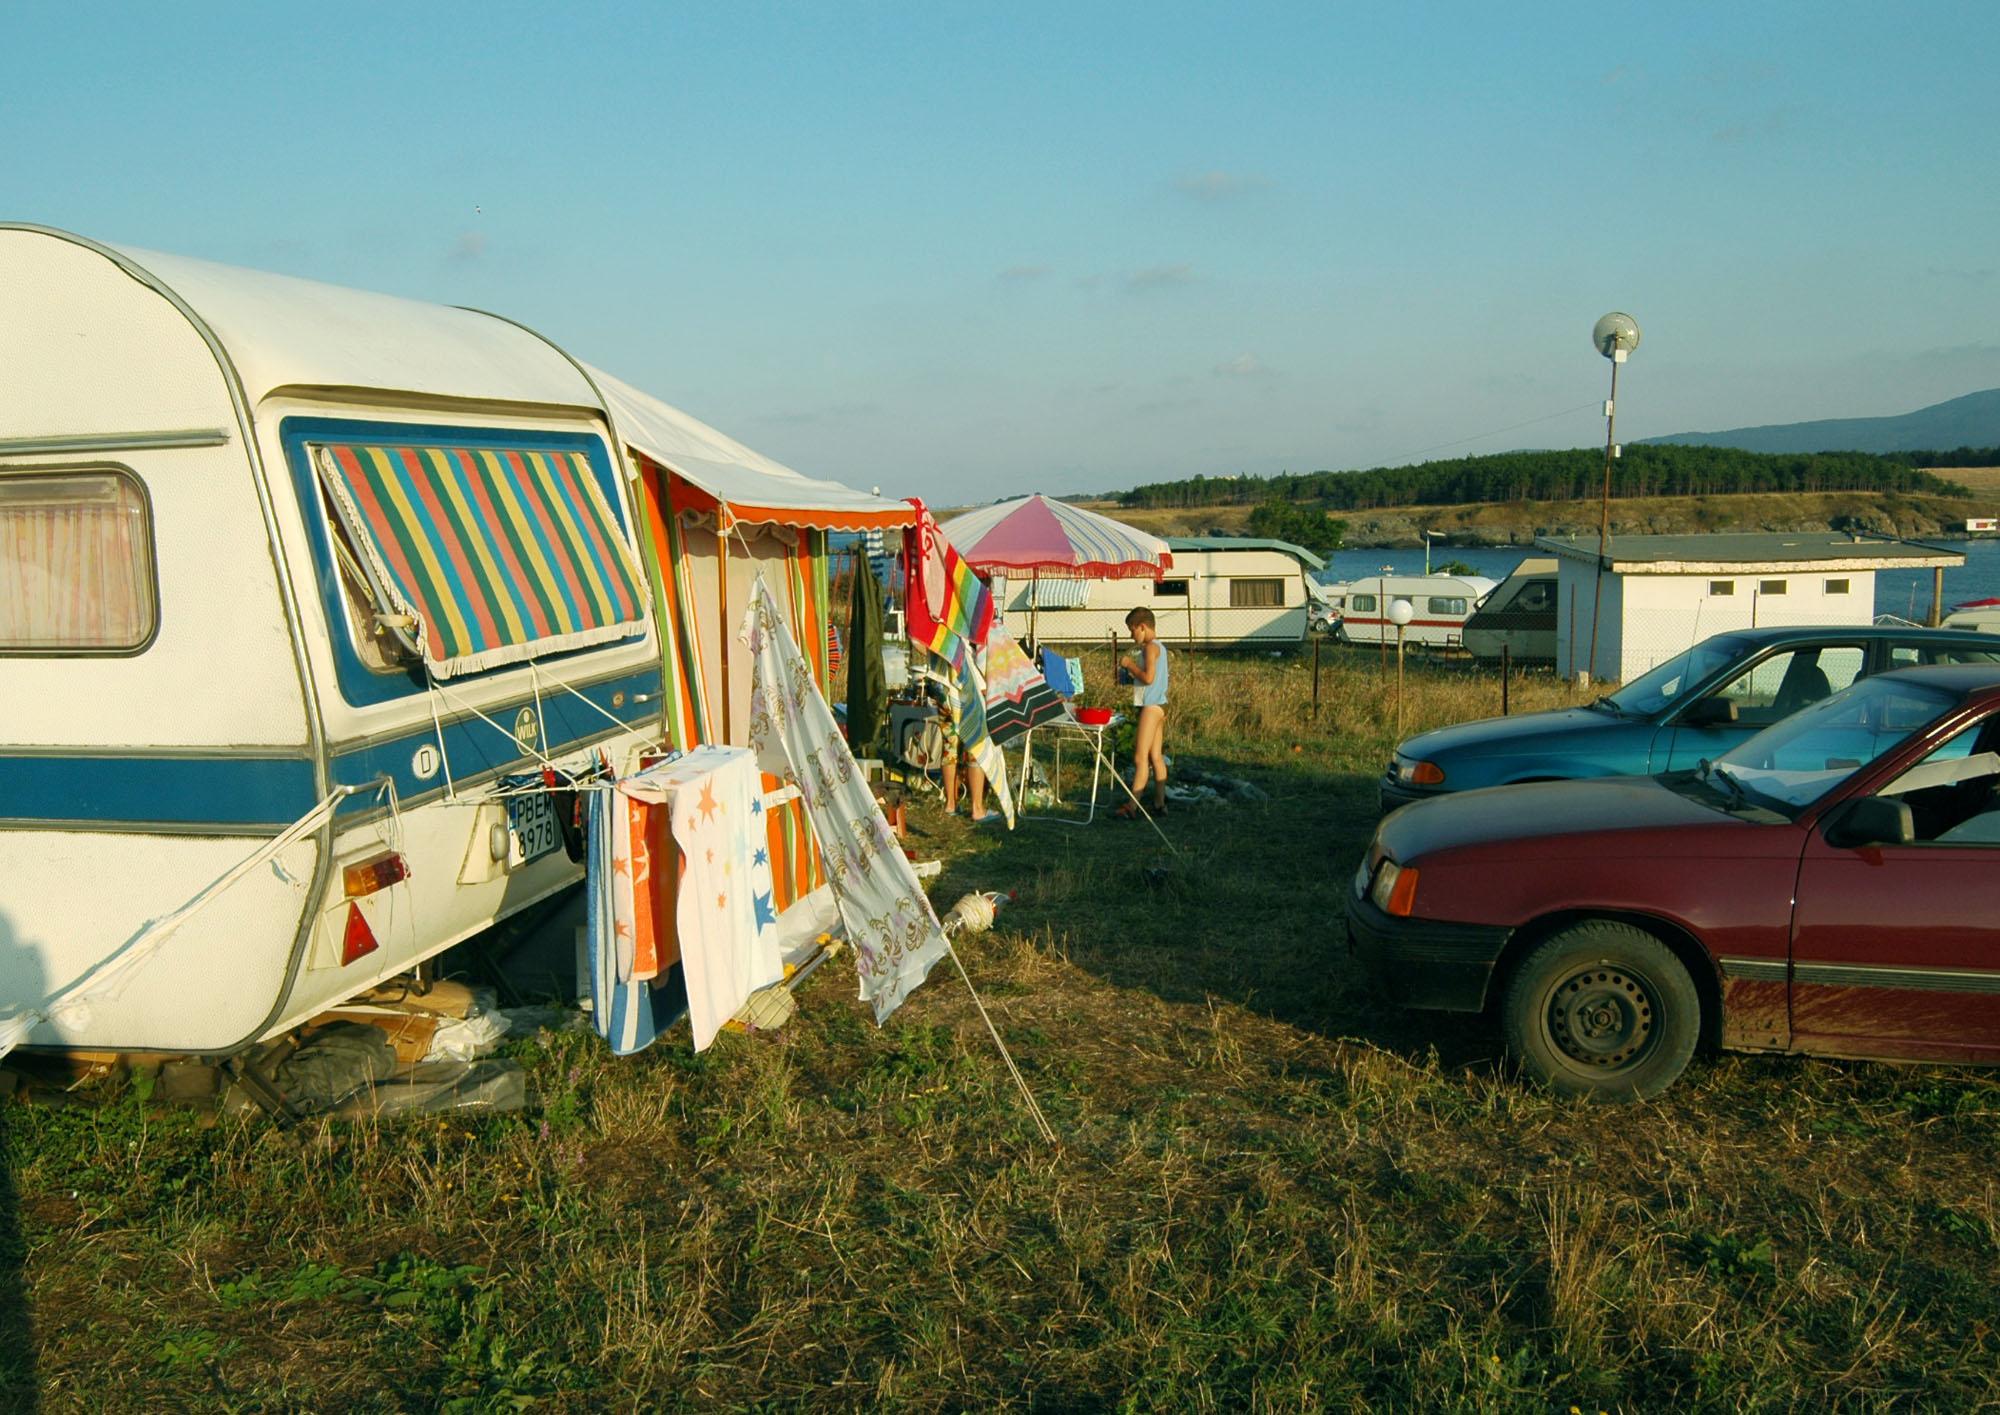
x=280, y=332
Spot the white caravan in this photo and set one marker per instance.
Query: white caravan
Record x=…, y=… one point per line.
x=246, y=771
x=1439, y=607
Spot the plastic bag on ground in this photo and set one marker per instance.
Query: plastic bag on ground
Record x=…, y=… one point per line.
x=436, y=1087
x=334, y=1063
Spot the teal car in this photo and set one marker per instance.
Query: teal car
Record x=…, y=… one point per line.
x=1690, y=709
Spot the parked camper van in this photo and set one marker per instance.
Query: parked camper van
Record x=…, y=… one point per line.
x=1982, y=615
x=1518, y=617
x=1440, y=606
x=300, y=590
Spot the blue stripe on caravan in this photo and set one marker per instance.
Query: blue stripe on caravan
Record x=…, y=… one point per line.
x=478, y=748
x=249, y=793
x=265, y=794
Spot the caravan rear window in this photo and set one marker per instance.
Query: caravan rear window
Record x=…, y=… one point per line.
x=76, y=564
x=474, y=556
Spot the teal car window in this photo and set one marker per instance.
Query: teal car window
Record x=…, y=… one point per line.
x=1652, y=693
x=1780, y=685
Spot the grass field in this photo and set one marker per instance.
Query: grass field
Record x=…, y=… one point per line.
x=1269, y=1192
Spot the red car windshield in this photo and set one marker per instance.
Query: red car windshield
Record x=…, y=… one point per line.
x=1794, y=763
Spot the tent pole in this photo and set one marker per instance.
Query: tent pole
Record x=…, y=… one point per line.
x=1034, y=603
x=722, y=599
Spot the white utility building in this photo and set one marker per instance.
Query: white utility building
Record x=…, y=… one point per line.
x=1657, y=595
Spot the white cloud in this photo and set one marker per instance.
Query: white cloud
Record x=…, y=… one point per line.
x=1161, y=277
x=1244, y=365
x=1219, y=186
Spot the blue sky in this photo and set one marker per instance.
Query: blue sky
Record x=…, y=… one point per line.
x=966, y=251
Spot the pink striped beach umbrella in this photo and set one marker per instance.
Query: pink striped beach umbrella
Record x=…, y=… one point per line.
x=1039, y=536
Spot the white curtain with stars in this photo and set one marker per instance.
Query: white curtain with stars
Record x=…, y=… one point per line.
x=723, y=915
x=890, y=923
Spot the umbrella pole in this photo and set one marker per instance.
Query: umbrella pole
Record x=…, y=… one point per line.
x=1034, y=604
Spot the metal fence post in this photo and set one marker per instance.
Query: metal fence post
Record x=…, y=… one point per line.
x=1506, y=675
x=1315, y=711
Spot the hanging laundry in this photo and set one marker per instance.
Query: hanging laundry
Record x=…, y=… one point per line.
x=867, y=684
x=967, y=706
x=725, y=922
x=680, y=872
x=1018, y=697
x=621, y=1005
x=949, y=609
x=889, y=920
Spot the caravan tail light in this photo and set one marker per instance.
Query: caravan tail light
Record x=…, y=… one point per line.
x=359, y=940
x=371, y=875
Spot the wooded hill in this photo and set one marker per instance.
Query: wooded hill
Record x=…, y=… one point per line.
x=1570, y=475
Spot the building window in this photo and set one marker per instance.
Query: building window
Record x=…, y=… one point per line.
x=1722, y=587
x=1453, y=605
x=1836, y=587
x=1770, y=587
x=76, y=564
x=1256, y=594
x=1170, y=587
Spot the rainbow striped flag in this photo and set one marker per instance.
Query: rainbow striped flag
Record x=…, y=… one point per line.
x=499, y=554
x=949, y=609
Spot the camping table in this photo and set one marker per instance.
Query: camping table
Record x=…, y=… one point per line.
x=1061, y=727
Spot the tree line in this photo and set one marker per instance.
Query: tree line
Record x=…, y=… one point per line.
x=1575, y=474
x=1301, y=525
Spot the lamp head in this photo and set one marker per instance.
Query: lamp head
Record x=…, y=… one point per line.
x=1401, y=612
x=1615, y=336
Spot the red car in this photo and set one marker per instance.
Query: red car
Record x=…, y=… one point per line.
x=1831, y=886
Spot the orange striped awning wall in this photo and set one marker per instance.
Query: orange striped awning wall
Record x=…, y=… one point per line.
x=795, y=858
x=795, y=864
x=680, y=641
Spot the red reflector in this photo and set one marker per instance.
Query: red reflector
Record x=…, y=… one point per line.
x=371, y=875
x=359, y=940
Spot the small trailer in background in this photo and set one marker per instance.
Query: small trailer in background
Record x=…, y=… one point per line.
x=1220, y=590
x=1440, y=606
x=1519, y=618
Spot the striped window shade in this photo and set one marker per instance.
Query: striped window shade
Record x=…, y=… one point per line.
x=498, y=554
x=1060, y=592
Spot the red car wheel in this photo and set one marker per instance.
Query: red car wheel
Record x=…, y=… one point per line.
x=1602, y=1010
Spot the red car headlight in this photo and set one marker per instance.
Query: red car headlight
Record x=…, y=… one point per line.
x=1395, y=889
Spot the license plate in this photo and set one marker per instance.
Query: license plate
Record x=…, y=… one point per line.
x=532, y=819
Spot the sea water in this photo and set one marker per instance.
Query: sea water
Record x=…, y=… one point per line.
x=1901, y=592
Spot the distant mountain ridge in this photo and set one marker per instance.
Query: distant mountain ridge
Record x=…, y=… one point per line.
x=1971, y=421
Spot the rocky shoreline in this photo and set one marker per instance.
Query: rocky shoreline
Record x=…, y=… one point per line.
x=1878, y=513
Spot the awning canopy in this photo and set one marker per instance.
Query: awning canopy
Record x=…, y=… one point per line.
x=754, y=488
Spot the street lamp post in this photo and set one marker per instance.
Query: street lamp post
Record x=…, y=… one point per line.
x=1401, y=612
x=1428, y=537
x=1615, y=336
